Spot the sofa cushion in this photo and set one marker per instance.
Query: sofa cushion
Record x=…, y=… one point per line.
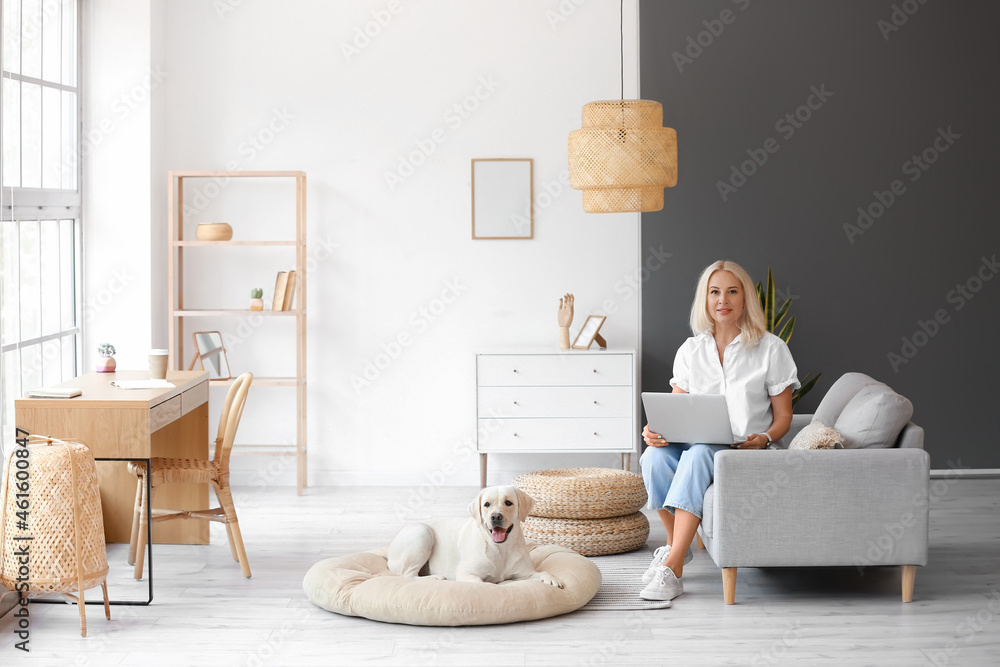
x=817, y=435
x=873, y=418
x=840, y=394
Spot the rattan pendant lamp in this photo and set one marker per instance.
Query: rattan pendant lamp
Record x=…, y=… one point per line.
x=622, y=157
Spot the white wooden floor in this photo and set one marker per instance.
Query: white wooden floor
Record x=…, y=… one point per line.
x=205, y=613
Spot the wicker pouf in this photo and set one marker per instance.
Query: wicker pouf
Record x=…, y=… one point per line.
x=61, y=522
x=583, y=493
x=593, y=511
x=590, y=537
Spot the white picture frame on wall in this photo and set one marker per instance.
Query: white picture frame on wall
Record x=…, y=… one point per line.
x=502, y=197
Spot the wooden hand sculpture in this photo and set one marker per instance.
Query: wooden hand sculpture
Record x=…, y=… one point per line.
x=565, y=320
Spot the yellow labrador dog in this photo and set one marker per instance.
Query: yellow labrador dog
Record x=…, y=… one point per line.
x=488, y=547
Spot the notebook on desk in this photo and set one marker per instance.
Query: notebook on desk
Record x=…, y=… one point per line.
x=142, y=384
x=54, y=392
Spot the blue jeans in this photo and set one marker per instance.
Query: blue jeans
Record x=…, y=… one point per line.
x=678, y=475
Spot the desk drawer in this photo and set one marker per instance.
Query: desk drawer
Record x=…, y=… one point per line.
x=507, y=370
x=164, y=413
x=520, y=435
x=193, y=397
x=555, y=401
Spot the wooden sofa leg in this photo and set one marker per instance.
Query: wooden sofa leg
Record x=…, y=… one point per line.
x=909, y=576
x=729, y=584
x=701, y=545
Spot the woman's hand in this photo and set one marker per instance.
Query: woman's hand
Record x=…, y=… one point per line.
x=753, y=441
x=653, y=439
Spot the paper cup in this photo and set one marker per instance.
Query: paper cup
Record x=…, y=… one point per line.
x=158, y=364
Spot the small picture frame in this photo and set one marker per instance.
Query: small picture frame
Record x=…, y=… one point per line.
x=211, y=354
x=589, y=333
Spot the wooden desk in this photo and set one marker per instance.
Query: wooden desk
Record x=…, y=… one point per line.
x=132, y=423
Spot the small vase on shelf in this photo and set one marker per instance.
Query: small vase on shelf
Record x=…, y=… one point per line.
x=107, y=363
x=256, y=299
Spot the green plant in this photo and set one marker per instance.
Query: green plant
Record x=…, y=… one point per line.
x=256, y=293
x=775, y=318
x=106, y=350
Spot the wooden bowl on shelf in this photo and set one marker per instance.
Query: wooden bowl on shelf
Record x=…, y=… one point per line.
x=214, y=231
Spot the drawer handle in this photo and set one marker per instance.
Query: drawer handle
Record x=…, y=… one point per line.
x=595, y=402
x=595, y=370
x=595, y=432
x=515, y=435
x=515, y=402
x=515, y=370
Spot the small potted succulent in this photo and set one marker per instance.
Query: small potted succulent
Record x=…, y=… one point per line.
x=106, y=364
x=256, y=299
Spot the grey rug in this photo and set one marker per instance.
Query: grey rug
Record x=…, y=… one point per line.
x=621, y=582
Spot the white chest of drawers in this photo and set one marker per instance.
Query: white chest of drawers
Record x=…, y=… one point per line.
x=551, y=401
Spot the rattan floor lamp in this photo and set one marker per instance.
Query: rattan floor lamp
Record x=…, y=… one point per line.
x=52, y=529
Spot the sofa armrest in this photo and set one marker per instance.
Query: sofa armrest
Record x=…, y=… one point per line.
x=820, y=507
x=911, y=437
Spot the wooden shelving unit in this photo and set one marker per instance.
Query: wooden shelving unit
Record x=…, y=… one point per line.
x=178, y=313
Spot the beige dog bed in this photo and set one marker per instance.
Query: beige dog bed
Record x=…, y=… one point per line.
x=362, y=585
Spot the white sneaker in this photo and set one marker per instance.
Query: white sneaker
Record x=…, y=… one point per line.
x=659, y=559
x=664, y=586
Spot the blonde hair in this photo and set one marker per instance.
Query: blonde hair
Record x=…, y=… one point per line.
x=751, y=323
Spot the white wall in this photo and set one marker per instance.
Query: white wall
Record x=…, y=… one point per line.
x=346, y=120
x=117, y=79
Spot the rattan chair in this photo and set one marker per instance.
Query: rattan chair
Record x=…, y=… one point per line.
x=214, y=472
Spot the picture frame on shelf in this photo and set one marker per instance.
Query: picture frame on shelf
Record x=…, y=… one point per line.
x=589, y=333
x=211, y=353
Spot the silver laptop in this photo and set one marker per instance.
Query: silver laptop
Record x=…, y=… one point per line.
x=692, y=418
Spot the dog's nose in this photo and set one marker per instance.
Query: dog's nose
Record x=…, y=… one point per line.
x=497, y=517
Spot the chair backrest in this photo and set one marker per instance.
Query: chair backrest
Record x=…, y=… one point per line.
x=229, y=420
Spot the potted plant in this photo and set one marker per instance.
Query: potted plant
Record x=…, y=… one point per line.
x=107, y=362
x=256, y=299
x=774, y=315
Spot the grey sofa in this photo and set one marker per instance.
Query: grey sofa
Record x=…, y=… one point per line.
x=864, y=506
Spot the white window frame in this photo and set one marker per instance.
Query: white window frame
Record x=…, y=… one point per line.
x=25, y=205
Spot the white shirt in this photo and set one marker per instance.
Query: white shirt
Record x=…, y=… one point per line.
x=748, y=377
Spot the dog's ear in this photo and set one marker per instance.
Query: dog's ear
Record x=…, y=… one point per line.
x=474, y=506
x=524, y=504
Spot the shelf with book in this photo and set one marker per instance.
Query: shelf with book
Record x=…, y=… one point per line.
x=290, y=291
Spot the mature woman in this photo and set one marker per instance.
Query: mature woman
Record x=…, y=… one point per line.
x=733, y=354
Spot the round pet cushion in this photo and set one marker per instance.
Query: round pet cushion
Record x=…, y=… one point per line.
x=362, y=585
x=583, y=493
x=590, y=537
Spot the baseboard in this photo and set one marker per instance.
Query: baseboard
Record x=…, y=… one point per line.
x=966, y=473
x=431, y=479
x=267, y=471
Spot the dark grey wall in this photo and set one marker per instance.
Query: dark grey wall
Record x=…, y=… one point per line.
x=857, y=295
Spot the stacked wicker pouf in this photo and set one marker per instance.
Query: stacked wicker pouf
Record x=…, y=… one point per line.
x=593, y=511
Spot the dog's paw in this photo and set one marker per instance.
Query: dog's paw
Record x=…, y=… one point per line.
x=438, y=577
x=547, y=578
